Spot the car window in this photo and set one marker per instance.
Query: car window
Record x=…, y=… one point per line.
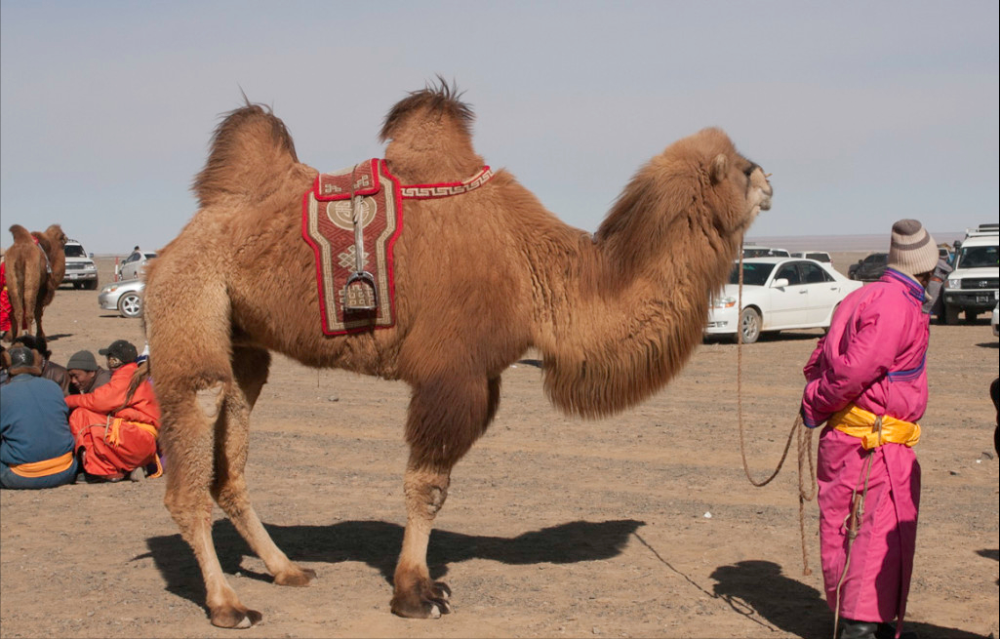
x=754, y=273
x=978, y=257
x=74, y=250
x=790, y=273
x=819, y=257
x=813, y=273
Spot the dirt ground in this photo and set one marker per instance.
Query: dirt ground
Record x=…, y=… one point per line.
x=639, y=525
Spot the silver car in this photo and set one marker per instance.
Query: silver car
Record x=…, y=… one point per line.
x=133, y=266
x=124, y=297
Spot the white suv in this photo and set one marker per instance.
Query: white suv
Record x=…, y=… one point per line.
x=81, y=271
x=974, y=285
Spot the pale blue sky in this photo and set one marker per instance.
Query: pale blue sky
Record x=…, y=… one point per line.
x=864, y=112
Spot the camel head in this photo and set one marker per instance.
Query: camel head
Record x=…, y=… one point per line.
x=700, y=189
x=56, y=235
x=739, y=186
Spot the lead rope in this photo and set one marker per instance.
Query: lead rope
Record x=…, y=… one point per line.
x=854, y=519
x=804, y=443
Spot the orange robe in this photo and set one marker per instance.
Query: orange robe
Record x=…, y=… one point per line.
x=117, y=440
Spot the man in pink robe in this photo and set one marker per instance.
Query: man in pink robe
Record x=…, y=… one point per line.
x=867, y=381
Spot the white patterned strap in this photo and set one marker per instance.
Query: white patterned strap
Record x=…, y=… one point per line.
x=431, y=191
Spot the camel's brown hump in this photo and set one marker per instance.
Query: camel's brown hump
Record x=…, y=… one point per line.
x=433, y=101
x=20, y=233
x=249, y=148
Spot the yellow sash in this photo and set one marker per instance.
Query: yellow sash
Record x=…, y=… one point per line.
x=113, y=433
x=857, y=422
x=44, y=468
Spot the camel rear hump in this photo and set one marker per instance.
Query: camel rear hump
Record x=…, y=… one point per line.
x=20, y=233
x=250, y=151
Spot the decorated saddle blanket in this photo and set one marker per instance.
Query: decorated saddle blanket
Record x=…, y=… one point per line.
x=366, y=196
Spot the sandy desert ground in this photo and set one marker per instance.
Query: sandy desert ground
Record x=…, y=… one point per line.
x=639, y=525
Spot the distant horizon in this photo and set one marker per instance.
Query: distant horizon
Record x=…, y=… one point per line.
x=842, y=243
x=829, y=243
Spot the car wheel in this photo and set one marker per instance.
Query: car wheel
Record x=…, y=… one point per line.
x=826, y=329
x=950, y=315
x=130, y=305
x=970, y=316
x=90, y=285
x=750, y=325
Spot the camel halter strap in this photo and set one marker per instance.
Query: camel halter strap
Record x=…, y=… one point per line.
x=804, y=442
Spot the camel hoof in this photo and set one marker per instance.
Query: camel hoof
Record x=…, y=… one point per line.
x=297, y=577
x=231, y=617
x=424, y=601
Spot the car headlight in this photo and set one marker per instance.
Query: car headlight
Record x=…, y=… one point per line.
x=724, y=302
x=954, y=282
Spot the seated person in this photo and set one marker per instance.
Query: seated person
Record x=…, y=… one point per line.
x=50, y=370
x=116, y=425
x=85, y=376
x=36, y=445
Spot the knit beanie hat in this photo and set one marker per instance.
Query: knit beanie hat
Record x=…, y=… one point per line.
x=82, y=361
x=912, y=250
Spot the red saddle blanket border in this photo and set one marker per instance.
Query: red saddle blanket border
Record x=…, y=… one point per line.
x=401, y=192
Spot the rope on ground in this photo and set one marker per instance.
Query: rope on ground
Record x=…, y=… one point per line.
x=804, y=441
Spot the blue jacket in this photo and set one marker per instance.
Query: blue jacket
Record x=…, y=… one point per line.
x=34, y=421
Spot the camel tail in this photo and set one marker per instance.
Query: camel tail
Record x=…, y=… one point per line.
x=250, y=150
x=20, y=233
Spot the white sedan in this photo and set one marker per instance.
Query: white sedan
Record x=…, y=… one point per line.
x=778, y=293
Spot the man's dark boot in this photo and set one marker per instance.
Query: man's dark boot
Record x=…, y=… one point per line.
x=888, y=631
x=850, y=629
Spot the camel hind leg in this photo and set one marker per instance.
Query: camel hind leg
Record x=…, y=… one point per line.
x=250, y=367
x=188, y=445
x=445, y=419
x=22, y=289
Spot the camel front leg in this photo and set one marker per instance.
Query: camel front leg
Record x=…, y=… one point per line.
x=446, y=417
x=414, y=594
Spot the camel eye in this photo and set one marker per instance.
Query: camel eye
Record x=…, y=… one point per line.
x=750, y=169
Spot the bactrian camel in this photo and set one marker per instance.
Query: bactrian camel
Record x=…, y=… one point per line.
x=36, y=264
x=480, y=278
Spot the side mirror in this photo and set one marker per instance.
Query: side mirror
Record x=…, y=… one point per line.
x=781, y=282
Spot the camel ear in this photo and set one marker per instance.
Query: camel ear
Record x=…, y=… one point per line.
x=719, y=168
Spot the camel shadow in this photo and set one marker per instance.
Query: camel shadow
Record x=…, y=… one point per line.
x=990, y=554
x=377, y=543
x=56, y=337
x=792, y=606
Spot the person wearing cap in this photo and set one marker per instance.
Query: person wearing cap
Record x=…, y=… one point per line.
x=867, y=382
x=36, y=445
x=84, y=374
x=116, y=426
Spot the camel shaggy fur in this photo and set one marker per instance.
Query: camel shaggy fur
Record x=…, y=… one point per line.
x=480, y=278
x=30, y=285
